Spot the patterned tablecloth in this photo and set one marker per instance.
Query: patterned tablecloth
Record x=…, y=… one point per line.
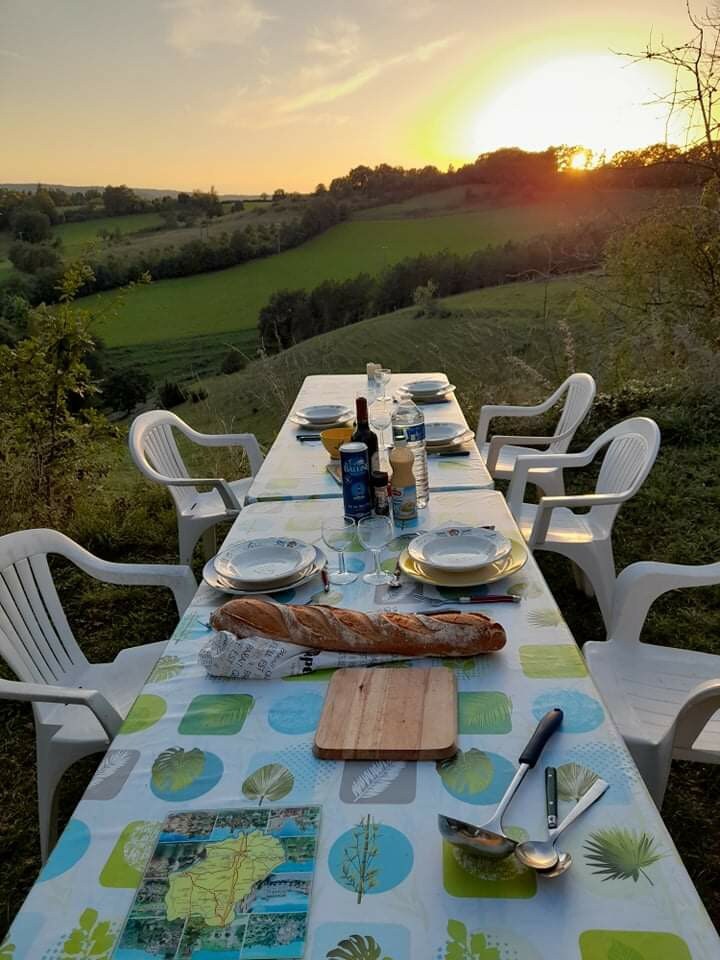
x=384, y=883
x=298, y=471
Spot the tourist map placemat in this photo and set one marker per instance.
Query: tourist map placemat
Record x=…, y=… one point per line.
x=226, y=884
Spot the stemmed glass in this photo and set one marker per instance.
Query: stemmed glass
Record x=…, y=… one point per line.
x=338, y=533
x=385, y=375
x=380, y=414
x=375, y=533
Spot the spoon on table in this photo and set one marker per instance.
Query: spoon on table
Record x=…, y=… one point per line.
x=541, y=855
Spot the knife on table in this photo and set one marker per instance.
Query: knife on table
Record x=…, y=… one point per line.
x=551, y=797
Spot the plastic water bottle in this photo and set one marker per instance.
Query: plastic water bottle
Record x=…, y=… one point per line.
x=408, y=421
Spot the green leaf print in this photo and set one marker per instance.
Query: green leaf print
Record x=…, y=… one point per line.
x=574, y=780
x=165, y=669
x=176, y=768
x=271, y=782
x=469, y=771
x=460, y=946
x=7, y=951
x=621, y=854
x=545, y=618
x=357, y=947
x=90, y=940
x=621, y=951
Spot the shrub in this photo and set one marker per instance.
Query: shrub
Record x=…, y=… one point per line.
x=123, y=390
x=171, y=394
x=233, y=361
x=30, y=225
x=31, y=257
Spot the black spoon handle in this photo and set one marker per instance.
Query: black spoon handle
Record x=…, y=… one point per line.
x=544, y=730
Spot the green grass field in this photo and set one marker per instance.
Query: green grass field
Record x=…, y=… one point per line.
x=229, y=300
x=76, y=236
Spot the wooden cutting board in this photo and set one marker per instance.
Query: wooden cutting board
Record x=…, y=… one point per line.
x=401, y=713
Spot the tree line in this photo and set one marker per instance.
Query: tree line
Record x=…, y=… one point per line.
x=229, y=249
x=511, y=170
x=291, y=316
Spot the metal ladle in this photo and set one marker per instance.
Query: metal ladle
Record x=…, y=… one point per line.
x=541, y=855
x=489, y=840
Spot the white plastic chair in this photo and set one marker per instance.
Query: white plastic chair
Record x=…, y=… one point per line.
x=501, y=452
x=153, y=448
x=664, y=701
x=78, y=706
x=586, y=539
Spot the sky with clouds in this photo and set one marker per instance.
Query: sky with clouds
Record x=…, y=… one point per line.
x=250, y=95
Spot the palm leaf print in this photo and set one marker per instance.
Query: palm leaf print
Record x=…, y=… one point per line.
x=544, y=618
x=112, y=763
x=574, y=780
x=175, y=768
x=165, y=669
x=375, y=779
x=621, y=951
x=356, y=947
x=621, y=854
x=271, y=782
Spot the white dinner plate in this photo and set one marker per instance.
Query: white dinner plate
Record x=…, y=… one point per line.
x=324, y=413
x=459, y=549
x=214, y=580
x=441, y=397
x=442, y=433
x=425, y=386
x=250, y=564
x=322, y=425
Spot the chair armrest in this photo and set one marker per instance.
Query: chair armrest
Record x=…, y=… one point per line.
x=179, y=579
x=106, y=714
x=246, y=440
x=530, y=461
x=217, y=483
x=498, y=442
x=546, y=506
x=702, y=702
x=490, y=411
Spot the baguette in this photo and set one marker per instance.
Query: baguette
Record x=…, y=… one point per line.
x=349, y=631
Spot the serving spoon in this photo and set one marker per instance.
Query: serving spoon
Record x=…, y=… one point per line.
x=541, y=855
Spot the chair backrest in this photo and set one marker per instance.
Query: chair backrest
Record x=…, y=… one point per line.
x=632, y=447
x=155, y=452
x=639, y=586
x=580, y=393
x=35, y=637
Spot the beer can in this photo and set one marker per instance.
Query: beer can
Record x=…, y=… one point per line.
x=355, y=470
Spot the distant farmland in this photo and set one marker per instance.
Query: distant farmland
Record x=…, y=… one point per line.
x=230, y=300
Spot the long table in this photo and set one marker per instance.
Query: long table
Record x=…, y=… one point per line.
x=298, y=471
x=626, y=897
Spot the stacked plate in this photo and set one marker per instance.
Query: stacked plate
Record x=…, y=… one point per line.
x=323, y=416
x=446, y=436
x=462, y=556
x=427, y=391
x=265, y=565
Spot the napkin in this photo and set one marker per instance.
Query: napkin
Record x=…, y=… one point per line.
x=257, y=658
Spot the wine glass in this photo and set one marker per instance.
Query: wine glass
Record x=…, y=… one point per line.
x=338, y=533
x=385, y=374
x=375, y=533
x=380, y=415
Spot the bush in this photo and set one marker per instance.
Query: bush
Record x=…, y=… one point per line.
x=233, y=361
x=123, y=390
x=30, y=225
x=31, y=257
x=171, y=394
